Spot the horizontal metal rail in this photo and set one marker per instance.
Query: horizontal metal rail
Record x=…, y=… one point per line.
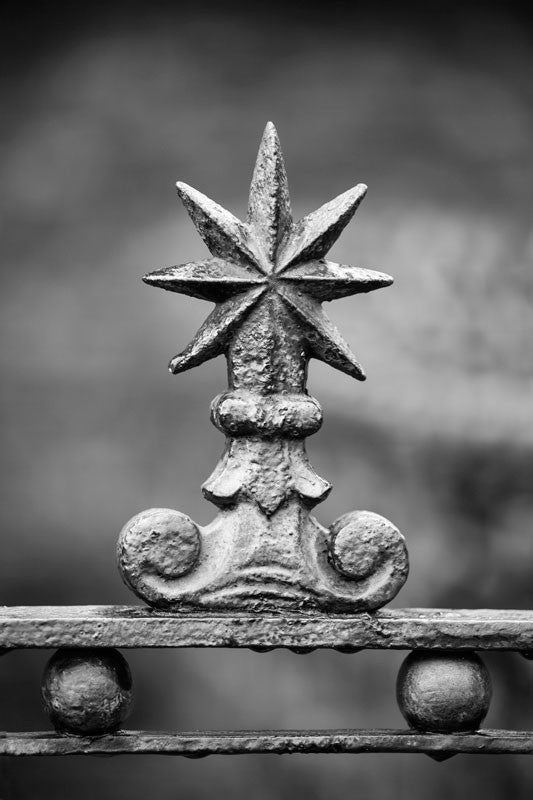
x=138, y=626
x=198, y=744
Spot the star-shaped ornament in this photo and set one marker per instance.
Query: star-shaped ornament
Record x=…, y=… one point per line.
x=268, y=254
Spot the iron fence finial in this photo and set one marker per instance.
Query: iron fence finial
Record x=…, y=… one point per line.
x=268, y=277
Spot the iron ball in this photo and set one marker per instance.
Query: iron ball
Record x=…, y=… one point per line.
x=87, y=692
x=444, y=692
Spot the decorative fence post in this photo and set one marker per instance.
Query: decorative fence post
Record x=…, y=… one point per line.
x=265, y=573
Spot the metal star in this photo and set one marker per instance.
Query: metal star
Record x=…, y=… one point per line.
x=268, y=254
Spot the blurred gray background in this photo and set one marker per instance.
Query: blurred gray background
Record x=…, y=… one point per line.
x=104, y=106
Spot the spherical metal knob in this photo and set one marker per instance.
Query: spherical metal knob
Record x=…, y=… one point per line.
x=444, y=692
x=87, y=692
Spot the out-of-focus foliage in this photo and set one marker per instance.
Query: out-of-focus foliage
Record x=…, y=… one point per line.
x=103, y=108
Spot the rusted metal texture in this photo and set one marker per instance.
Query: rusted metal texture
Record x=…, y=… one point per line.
x=196, y=745
x=398, y=629
x=264, y=551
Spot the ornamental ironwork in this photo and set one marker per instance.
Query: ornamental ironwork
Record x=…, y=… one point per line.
x=265, y=573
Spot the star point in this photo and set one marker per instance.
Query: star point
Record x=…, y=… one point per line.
x=269, y=207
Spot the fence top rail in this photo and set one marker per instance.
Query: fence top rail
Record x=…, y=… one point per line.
x=138, y=627
x=196, y=745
